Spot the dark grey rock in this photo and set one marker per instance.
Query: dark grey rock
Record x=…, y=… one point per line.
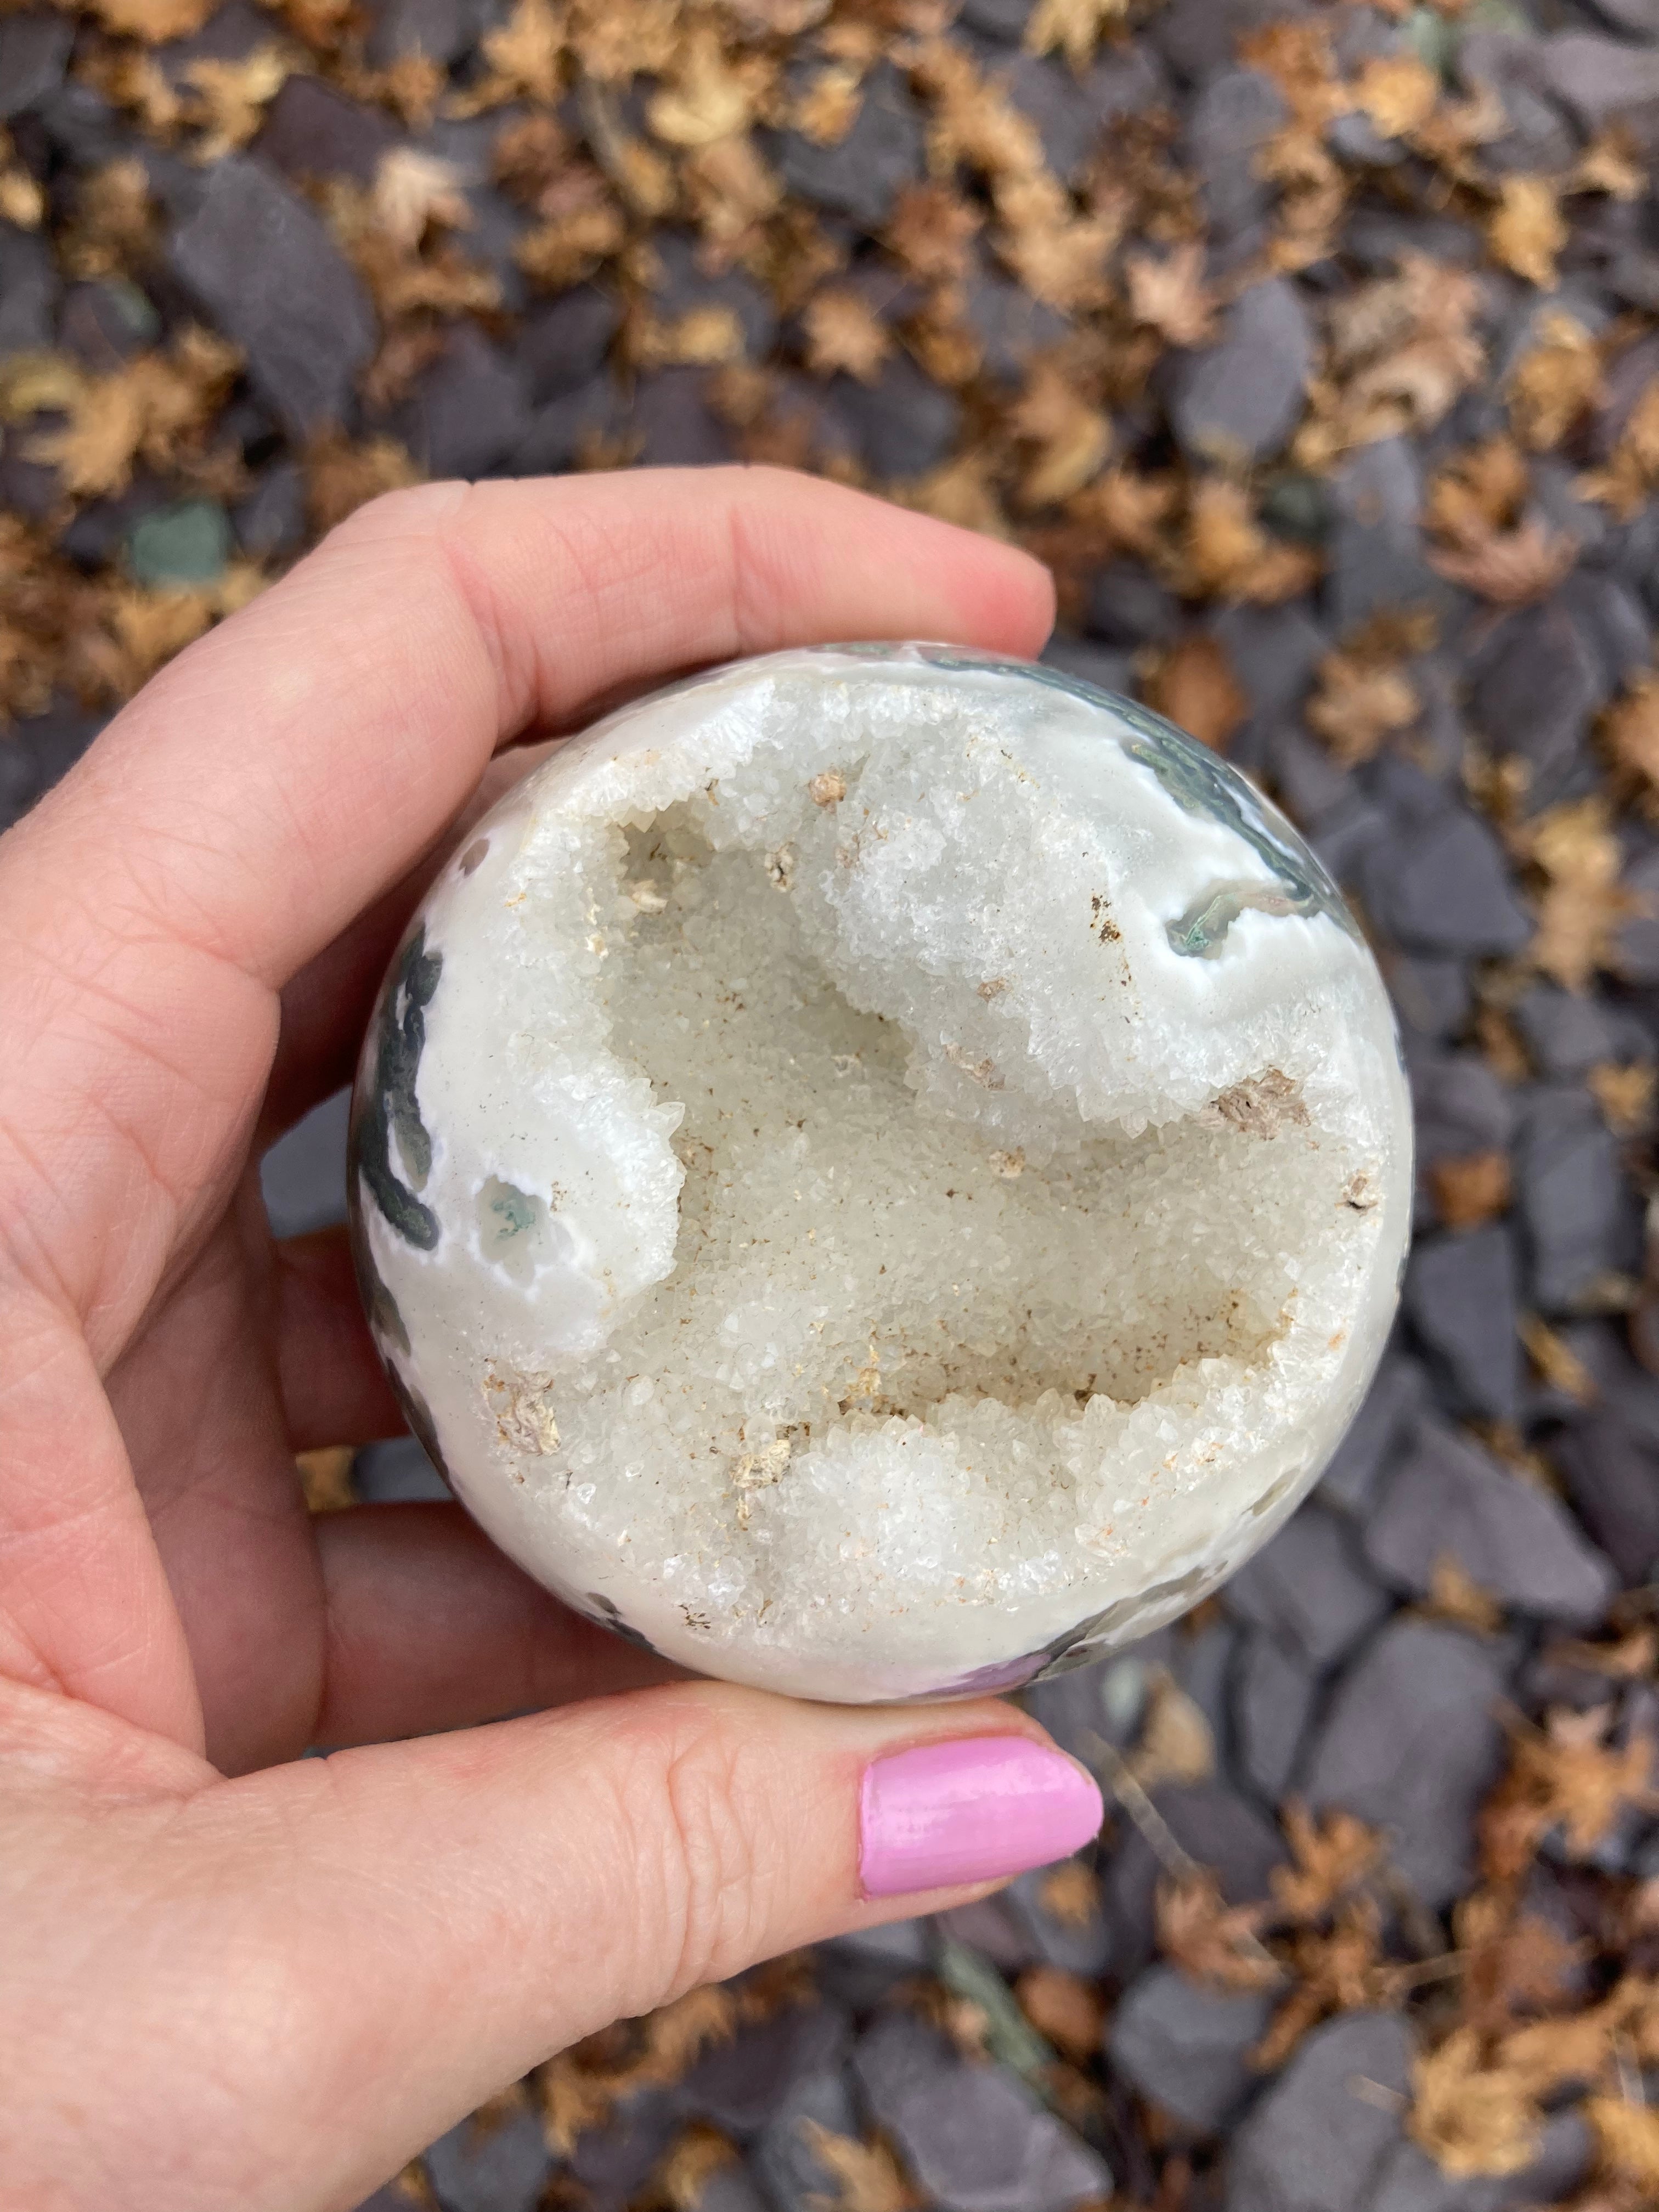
x=313, y=131
x=1128, y=607
x=559, y=431
x=34, y=47
x=1612, y=622
x=976, y=2139
x=107, y=322
x=468, y=412
x=271, y=522
x=1003, y=20
x=1308, y=1591
x=1375, y=1436
x=990, y=1928
x=789, y=2171
x=1511, y=64
x=264, y=267
x=1565, y=1032
x=1461, y=1105
x=442, y=29
x=1227, y=126
x=731, y=2188
x=861, y=1968
x=1411, y=1742
x=1612, y=1473
x=1441, y=886
x=1202, y=1664
x=1085, y=1948
x=1451, y=1500
x=1376, y=547
x=680, y=286
x=1273, y=651
x=674, y=423
x=501, y=2168
x=1600, y=81
x=1578, y=1216
x=862, y=176
x=1637, y=19
x=1412, y=2181
x=29, y=291
x=905, y=424
x=1198, y=37
x=1061, y=109
x=1462, y=1299
x=1274, y=1691
x=1431, y=995
x=1009, y=324
x=613, y=2160
x=563, y=345
x=1184, y=2047
x=1240, y=398
x=397, y=1473
x=1534, y=690
x=1107, y=671
x=39, y=749
x=1318, y=2140
x=303, y=1175
x=740, y=2083
x=83, y=126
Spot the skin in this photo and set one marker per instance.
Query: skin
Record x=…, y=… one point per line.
x=230, y=1977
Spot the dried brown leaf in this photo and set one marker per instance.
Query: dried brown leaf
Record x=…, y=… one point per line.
x=1473, y=2118
x=706, y=99
x=1194, y=684
x=844, y=333
x=1360, y=701
x=866, y=2175
x=1628, y=2137
x=413, y=190
x=325, y=1478
x=152, y=21
x=829, y=107
x=1454, y=1595
x=1583, y=903
x=1064, y=2007
x=1396, y=92
x=1470, y=1189
x=1555, y=383
x=931, y=230
x=1526, y=230
x=1073, y=27
x=1331, y=1857
x=231, y=99
x=1212, y=1941
x=1176, y=1742
x=1070, y=1894
x=1168, y=295
x=1072, y=438
x=1510, y=568
x=340, y=477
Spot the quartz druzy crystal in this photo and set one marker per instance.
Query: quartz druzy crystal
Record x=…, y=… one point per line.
x=879, y=1171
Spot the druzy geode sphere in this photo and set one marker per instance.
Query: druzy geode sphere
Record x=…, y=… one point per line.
x=881, y=1171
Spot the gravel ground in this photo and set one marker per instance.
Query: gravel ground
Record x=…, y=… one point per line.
x=1316, y=347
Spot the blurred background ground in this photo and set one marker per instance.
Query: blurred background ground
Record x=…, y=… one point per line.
x=1316, y=348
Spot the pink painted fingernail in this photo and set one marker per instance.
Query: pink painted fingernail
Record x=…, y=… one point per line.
x=946, y=1813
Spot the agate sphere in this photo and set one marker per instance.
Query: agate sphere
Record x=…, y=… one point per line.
x=881, y=1171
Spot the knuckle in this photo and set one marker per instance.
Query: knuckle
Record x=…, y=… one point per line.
x=700, y=1823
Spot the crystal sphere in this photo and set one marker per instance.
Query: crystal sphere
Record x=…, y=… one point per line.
x=881, y=1171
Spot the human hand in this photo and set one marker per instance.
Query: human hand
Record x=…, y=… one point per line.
x=230, y=1977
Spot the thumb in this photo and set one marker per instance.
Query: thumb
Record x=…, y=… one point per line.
x=448, y=1913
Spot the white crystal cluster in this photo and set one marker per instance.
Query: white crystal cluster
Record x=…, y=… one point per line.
x=878, y=1171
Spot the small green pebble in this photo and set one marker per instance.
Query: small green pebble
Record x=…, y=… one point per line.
x=189, y=543
x=1299, y=508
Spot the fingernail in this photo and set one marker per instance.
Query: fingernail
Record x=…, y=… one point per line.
x=946, y=1813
